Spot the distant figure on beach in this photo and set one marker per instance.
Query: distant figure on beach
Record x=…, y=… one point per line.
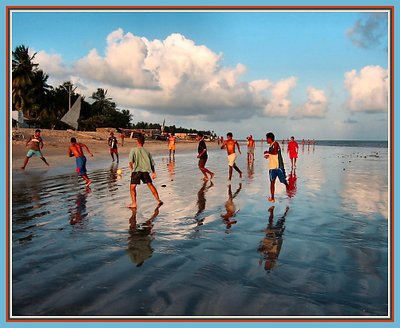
x=276, y=166
x=172, y=144
x=230, y=206
x=271, y=245
x=141, y=164
x=36, y=145
x=113, y=144
x=293, y=150
x=122, y=136
x=76, y=149
x=251, y=144
x=203, y=156
x=230, y=145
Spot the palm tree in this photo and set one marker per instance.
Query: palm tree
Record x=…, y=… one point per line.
x=23, y=70
x=103, y=105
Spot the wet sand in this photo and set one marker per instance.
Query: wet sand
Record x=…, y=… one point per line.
x=214, y=248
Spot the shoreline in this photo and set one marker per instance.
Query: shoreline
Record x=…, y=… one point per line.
x=56, y=143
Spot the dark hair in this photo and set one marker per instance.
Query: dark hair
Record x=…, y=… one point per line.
x=271, y=136
x=37, y=131
x=140, y=139
x=229, y=134
x=200, y=134
x=73, y=140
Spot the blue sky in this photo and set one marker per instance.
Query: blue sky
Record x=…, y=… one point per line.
x=316, y=75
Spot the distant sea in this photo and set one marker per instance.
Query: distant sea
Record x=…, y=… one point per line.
x=348, y=143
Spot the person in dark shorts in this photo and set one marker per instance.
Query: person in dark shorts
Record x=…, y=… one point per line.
x=36, y=145
x=141, y=164
x=276, y=166
x=113, y=144
x=203, y=156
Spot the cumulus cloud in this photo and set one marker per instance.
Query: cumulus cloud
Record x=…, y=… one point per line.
x=316, y=105
x=280, y=103
x=370, y=31
x=51, y=64
x=368, y=89
x=174, y=76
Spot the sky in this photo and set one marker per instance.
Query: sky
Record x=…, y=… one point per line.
x=317, y=75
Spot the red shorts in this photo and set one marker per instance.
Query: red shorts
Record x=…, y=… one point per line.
x=114, y=151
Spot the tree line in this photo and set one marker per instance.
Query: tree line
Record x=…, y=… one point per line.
x=44, y=105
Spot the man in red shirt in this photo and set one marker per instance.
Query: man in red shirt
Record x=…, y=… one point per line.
x=293, y=150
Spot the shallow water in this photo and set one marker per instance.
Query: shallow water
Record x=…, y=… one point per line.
x=212, y=249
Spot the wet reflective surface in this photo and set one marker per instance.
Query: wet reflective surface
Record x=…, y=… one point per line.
x=321, y=249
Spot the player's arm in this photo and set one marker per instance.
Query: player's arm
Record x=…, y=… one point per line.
x=223, y=145
x=70, y=152
x=87, y=148
x=238, y=147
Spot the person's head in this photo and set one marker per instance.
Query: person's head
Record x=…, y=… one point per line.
x=140, y=139
x=200, y=136
x=37, y=132
x=73, y=140
x=270, y=137
x=292, y=138
x=251, y=137
x=112, y=134
x=229, y=135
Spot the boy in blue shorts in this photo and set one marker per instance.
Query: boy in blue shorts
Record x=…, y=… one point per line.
x=276, y=166
x=36, y=145
x=141, y=164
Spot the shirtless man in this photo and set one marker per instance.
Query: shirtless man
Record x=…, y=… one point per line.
x=171, y=145
x=75, y=149
x=36, y=145
x=230, y=145
x=251, y=144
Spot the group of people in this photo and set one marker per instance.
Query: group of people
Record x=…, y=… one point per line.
x=142, y=165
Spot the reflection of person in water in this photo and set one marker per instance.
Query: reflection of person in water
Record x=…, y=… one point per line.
x=292, y=182
x=140, y=237
x=271, y=245
x=230, y=207
x=201, y=201
x=112, y=179
x=250, y=170
x=79, y=212
x=171, y=168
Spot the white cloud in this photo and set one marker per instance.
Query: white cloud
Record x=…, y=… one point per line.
x=316, y=105
x=368, y=89
x=51, y=64
x=280, y=103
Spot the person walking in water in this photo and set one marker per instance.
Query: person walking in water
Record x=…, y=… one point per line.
x=172, y=145
x=276, y=166
x=113, y=144
x=76, y=149
x=203, y=156
x=230, y=145
x=36, y=145
x=293, y=150
x=141, y=164
x=251, y=144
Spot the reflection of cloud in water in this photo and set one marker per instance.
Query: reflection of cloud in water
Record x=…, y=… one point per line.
x=366, y=193
x=315, y=177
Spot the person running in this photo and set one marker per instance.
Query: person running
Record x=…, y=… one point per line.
x=276, y=166
x=172, y=144
x=293, y=150
x=141, y=164
x=113, y=144
x=76, y=149
x=251, y=144
x=230, y=145
x=203, y=156
x=36, y=145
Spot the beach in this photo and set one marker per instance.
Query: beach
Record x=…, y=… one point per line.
x=213, y=249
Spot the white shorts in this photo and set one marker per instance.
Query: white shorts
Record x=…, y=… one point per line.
x=231, y=159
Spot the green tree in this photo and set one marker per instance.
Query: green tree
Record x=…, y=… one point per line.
x=23, y=71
